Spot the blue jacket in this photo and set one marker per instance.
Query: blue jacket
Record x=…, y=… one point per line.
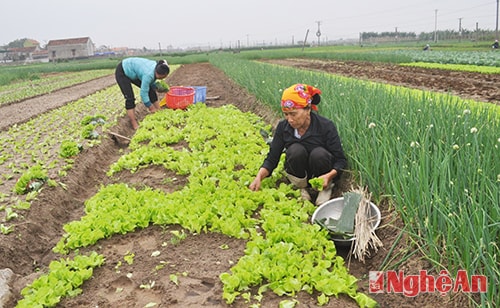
x=144, y=70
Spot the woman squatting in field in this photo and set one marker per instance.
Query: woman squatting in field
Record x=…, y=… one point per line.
x=311, y=143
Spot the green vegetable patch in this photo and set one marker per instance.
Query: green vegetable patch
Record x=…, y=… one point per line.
x=284, y=254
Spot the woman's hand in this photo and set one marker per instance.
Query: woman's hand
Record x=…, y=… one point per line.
x=262, y=174
x=153, y=109
x=255, y=185
x=328, y=177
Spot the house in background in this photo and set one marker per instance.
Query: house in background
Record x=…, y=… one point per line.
x=21, y=53
x=26, y=50
x=70, y=49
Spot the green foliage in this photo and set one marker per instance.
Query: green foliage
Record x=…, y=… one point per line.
x=94, y=120
x=317, y=183
x=457, y=67
x=89, y=132
x=423, y=132
x=6, y=229
x=31, y=180
x=478, y=58
x=32, y=80
x=162, y=86
x=38, y=140
x=90, y=124
x=64, y=279
x=69, y=148
x=445, y=184
x=294, y=255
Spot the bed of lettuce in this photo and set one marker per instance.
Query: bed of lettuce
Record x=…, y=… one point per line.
x=221, y=151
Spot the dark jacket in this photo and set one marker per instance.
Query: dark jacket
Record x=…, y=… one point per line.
x=321, y=133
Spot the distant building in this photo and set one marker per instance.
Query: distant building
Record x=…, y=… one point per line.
x=29, y=51
x=23, y=53
x=70, y=49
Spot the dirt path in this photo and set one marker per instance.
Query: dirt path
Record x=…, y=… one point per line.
x=29, y=248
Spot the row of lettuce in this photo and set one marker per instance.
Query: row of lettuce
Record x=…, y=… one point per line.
x=41, y=151
x=285, y=253
x=32, y=87
x=36, y=152
x=434, y=157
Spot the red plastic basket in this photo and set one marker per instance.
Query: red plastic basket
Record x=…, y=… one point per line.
x=180, y=97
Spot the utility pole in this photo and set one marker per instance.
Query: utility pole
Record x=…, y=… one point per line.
x=318, y=33
x=496, y=28
x=305, y=40
x=477, y=31
x=435, y=25
x=460, y=29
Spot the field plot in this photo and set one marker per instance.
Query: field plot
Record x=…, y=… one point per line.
x=166, y=265
x=23, y=90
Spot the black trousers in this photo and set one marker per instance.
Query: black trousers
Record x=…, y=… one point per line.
x=300, y=163
x=125, y=85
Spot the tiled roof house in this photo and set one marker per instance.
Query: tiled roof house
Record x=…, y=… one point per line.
x=21, y=53
x=72, y=48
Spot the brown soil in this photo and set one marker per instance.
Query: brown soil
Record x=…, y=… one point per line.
x=28, y=249
x=476, y=86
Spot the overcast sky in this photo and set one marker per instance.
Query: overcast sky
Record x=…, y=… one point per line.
x=223, y=23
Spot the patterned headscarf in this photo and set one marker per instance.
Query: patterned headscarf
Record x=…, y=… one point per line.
x=299, y=96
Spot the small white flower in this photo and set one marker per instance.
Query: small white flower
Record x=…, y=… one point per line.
x=263, y=81
x=451, y=183
x=473, y=130
x=371, y=125
x=498, y=140
x=456, y=147
x=479, y=171
x=414, y=144
x=498, y=177
x=466, y=111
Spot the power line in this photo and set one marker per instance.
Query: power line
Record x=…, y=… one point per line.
x=447, y=18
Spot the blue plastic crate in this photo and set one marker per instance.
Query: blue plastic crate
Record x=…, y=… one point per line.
x=200, y=94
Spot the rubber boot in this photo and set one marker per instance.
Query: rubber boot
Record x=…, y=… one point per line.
x=325, y=194
x=300, y=183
